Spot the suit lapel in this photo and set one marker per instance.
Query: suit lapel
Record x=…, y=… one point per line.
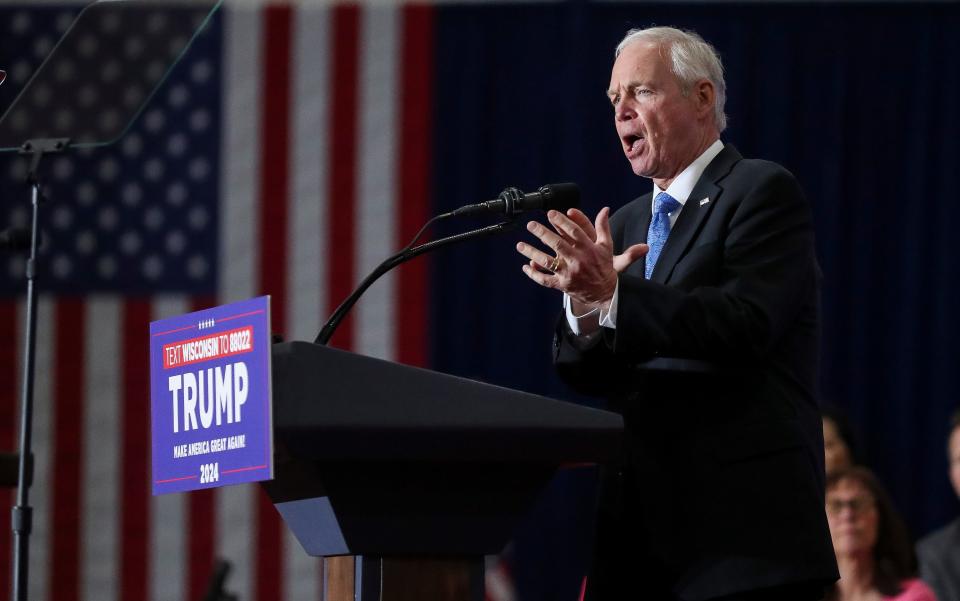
x=701, y=201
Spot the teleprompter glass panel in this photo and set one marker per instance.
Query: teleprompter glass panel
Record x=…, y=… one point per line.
x=101, y=74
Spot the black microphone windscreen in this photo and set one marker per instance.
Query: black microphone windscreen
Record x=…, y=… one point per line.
x=560, y=197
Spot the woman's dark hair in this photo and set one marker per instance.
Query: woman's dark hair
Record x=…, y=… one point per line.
x=845, y=430
x=893, y=554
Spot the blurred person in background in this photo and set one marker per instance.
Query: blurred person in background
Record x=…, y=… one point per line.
x=873, y=550
x=939, y=551
x=839, y=444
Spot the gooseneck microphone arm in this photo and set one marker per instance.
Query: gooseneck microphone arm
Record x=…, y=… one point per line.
x=511, y=203
x=401, y=257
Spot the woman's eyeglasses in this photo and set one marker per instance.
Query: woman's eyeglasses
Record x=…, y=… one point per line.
x=856, y=505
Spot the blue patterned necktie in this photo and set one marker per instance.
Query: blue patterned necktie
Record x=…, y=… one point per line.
x=663, y=205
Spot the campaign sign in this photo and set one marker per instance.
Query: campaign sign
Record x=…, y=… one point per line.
x=210, y=397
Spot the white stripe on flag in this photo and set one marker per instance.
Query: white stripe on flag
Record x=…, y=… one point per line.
x=168, y=549
x=301, y=572
x=235, y=517
x=307, y=268
x=376, y=195
x=101, y=449
x=240, y=152
x=168, y=515
x=311, y=105
x=40, y=495
x=242, y=66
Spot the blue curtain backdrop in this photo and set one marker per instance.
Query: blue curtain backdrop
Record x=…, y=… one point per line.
x=858, y=100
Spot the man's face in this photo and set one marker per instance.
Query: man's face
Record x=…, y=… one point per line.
x=657, y=124
x=954, y=450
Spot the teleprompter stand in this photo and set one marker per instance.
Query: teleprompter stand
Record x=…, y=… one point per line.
x=22, y=513
x=38, y=128
x=405, y=478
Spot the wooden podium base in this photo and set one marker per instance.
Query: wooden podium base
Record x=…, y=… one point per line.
x=368, y=578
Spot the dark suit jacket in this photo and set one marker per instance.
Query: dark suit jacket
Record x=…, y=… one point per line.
x=938, y=554
x=713, y=364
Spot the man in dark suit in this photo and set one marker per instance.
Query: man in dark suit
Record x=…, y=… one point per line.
x=938, y=553
x=695, y=311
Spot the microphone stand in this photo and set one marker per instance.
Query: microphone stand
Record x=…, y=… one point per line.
x=401, y=257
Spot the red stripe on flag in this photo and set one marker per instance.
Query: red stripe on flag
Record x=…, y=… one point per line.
x=269, y=570
x=341, y=245
x=201, y=519
x=134, y=450
x=8, y=428
x=275, y=157
x=274, y=195
x=68, y=412
x=416, y=65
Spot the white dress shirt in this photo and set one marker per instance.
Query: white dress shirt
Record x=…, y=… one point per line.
x=680, y=189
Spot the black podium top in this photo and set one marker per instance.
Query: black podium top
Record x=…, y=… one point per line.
x=335, y=405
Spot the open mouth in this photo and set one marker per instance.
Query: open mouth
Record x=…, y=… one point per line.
x=632, y=143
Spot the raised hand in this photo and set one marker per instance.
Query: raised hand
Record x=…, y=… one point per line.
x=583, y=264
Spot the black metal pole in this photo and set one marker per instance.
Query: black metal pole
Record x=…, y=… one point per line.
x=22, y=512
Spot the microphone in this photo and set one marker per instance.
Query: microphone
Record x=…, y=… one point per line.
x=15, y=239
x=513, y=202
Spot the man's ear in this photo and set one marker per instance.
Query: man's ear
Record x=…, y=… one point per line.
x=704, y=96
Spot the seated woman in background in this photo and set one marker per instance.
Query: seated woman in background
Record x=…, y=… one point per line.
x=873, y=551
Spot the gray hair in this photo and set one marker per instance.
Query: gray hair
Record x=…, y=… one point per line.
x=691, y=59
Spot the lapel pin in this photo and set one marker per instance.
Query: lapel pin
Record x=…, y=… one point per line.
x=704, y=201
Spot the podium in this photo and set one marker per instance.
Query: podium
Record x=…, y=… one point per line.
x=415, y=474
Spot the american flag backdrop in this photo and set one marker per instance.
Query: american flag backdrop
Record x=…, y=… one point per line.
x=274, y=160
